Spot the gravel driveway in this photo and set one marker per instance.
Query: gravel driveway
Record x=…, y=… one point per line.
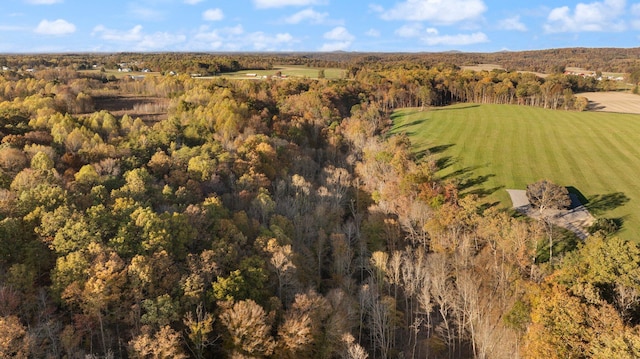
x=576, y=219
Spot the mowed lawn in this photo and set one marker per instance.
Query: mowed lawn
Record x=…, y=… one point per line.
x=490, y=148
x=291, y=71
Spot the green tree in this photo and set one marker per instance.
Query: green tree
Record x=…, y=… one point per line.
x=41, y=161
x=161, y=311
x=239, y=285
x=87, y=175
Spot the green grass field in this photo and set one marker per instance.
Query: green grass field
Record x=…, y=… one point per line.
x=291, y=71
x=490, y=148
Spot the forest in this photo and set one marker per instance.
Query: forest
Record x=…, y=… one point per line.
x=278, y=219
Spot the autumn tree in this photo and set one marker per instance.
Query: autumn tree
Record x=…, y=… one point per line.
x=545, y=195
x=248, y=329
x=14, y=339
x=165, y=343
x=199, y=331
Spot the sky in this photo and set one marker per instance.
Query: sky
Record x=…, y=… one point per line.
x=45, y=26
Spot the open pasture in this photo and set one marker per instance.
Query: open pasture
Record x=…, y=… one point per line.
x=490, y=148
x=289, y=71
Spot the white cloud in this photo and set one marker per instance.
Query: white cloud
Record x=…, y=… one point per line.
x=213, y=15
x=193, y=2
x=218, y=35
x=373, y=33
x=307, y=15
x=376, y=8
x=596, y=16
x=145, y=13
x=338, y=33
x=56, y=27
x=341, y=39
x=512, y=23
x=433, y=38
x=409, y=30
x=43, y=2
x=262, y=42
x=236, y=39
x=135, y=34
x=436, y=11
x=159, y=41
x=136, y=39
x=263, y=4
x=335, y=46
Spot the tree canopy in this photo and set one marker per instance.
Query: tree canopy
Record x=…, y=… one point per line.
x=179, y=217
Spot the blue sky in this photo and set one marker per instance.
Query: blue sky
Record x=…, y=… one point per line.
x=315, y=25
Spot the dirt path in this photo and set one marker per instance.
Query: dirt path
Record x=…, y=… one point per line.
x=622, y=102
x=576, y=219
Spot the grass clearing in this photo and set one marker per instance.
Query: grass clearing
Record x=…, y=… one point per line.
x=118, y=74
x=289, y=71
x=489, y=148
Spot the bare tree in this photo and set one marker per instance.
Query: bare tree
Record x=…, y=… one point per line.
x=545, y=195
x=379, y=314
x=442, y=292
x=198, y=330
x=353, y=350
x=281, y=260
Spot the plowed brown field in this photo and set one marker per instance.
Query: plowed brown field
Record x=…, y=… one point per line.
x=621, y=102
x=149, y=109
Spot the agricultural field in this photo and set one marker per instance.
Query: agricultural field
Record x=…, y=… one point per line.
x=622, y=102
x=288, y=71
x=119, y=74
x=491, y=148
x=148, y=109
x=482, y=67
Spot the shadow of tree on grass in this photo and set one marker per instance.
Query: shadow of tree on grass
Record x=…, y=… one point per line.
x=470, y=184
x=459, y=174
x=440, y=148
x=600, y=203
x=435, y=150
x=398, y=129
x=563, y=241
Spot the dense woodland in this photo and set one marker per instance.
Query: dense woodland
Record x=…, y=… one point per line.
x=277, y=219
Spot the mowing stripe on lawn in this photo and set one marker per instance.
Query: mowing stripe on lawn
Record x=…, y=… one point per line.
x=596, y=153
